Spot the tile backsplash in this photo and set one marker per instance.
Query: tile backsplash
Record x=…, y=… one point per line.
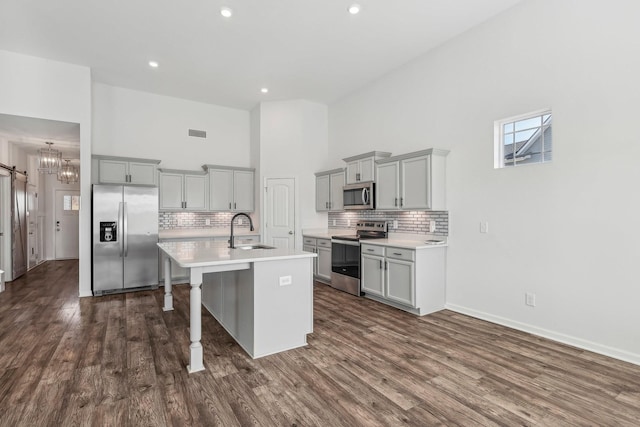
x=188, y=220
x=408, y=221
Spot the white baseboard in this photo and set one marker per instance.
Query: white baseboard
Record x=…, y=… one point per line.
x=552, y=335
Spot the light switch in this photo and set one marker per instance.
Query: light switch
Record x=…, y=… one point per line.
x=484, y=227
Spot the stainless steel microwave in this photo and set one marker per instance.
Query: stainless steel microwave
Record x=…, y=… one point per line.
x=359, y=196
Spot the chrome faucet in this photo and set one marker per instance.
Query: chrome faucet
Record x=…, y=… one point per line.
x=231, y=239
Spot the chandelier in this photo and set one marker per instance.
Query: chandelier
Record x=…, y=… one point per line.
x=68, y=173
x=50, y=159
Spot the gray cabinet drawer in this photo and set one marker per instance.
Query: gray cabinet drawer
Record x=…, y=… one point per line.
x=372, y=250
x=326, y=243
x=309, y=241
x=404, y=254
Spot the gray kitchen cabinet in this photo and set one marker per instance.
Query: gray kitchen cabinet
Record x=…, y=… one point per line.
x=312, y=249
x=329, y=190
x=388, y=273
x=183, y=190
x=322, y=263
x=387, y=185
x=400, y=281
x=125, y=170
x=372, y=275
x=231, y=189
x=414, y=181
x=324, y=259
x=410, y=279
x=361, y=168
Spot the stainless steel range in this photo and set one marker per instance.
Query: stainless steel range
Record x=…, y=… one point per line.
x=345, y=255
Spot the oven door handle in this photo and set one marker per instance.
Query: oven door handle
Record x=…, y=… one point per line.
x=345, y=242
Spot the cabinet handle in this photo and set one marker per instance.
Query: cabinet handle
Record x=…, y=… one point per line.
x=326, y=205
x=396, y=253
x=401, y=201
x=386, y=265
x=380, y=264
x=330, y=205
x=370, y=250
x=234, y=205
x=395, y=202
x=229, y=205
x=357, y=177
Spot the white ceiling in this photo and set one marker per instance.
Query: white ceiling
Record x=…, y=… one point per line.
x=299, y=49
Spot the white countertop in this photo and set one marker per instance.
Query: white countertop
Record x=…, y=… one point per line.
x=187, y=233
x=398, y=240
x=323, y=233
x=407, y=243
x=205, y=253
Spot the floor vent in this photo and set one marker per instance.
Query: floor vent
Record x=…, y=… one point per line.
x=197, y=133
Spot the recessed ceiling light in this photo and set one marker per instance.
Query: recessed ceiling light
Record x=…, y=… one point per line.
x=264, y=90
x=153, y=64
x=226, y=12
x=354, y=9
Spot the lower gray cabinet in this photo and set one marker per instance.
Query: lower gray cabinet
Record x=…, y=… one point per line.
x=412, y=280
x=322, y=263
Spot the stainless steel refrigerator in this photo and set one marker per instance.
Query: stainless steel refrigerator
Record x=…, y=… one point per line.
x=125, y=234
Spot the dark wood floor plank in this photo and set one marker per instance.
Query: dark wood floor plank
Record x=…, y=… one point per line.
x=120, y=360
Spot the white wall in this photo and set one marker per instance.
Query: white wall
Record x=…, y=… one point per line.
x=131, y=123
x=565, y=230
x=40, y=88
x=293, y=144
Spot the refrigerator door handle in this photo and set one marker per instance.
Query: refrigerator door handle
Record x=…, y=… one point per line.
x=120, y=228
x=125, y=232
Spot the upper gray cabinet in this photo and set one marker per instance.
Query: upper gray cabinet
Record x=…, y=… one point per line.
x=124, y=170
x=329, y=190
x=183, y=190
x=414, y=181
x=361, y=168
x=231, y=188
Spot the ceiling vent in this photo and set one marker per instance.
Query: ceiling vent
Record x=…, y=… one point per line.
x=198, y=133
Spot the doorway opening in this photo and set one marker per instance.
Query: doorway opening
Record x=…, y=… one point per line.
x=21, y=138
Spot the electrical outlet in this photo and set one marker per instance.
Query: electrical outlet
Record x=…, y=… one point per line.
x=239, y=221
x=334, y=222
x=484, y=227
x=285, y=280
x=530, y=299
x=348, y=223
x=395, y=223
x=207, y=221
x=432, y=226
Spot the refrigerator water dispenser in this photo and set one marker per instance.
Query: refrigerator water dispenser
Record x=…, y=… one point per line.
x=108, y=232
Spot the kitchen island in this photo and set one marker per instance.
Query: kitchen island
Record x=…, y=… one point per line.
x=262, y=297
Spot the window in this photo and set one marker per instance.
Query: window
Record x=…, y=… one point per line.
x=523, y=140
x=71, y=203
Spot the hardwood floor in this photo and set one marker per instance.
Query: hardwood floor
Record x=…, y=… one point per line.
x=120, y=360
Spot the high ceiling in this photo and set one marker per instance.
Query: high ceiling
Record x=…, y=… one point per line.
x=299, y=49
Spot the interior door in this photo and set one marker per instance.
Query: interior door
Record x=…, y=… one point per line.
x=66, y=231
x=32, y=214
x=280, y=213
x=19, y=211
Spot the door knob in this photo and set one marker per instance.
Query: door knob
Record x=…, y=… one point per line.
x=291, y=232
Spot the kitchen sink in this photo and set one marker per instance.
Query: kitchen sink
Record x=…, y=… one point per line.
x=434, y=242
x=256, y=246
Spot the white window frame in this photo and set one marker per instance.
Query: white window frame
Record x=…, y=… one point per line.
x=498, y=137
